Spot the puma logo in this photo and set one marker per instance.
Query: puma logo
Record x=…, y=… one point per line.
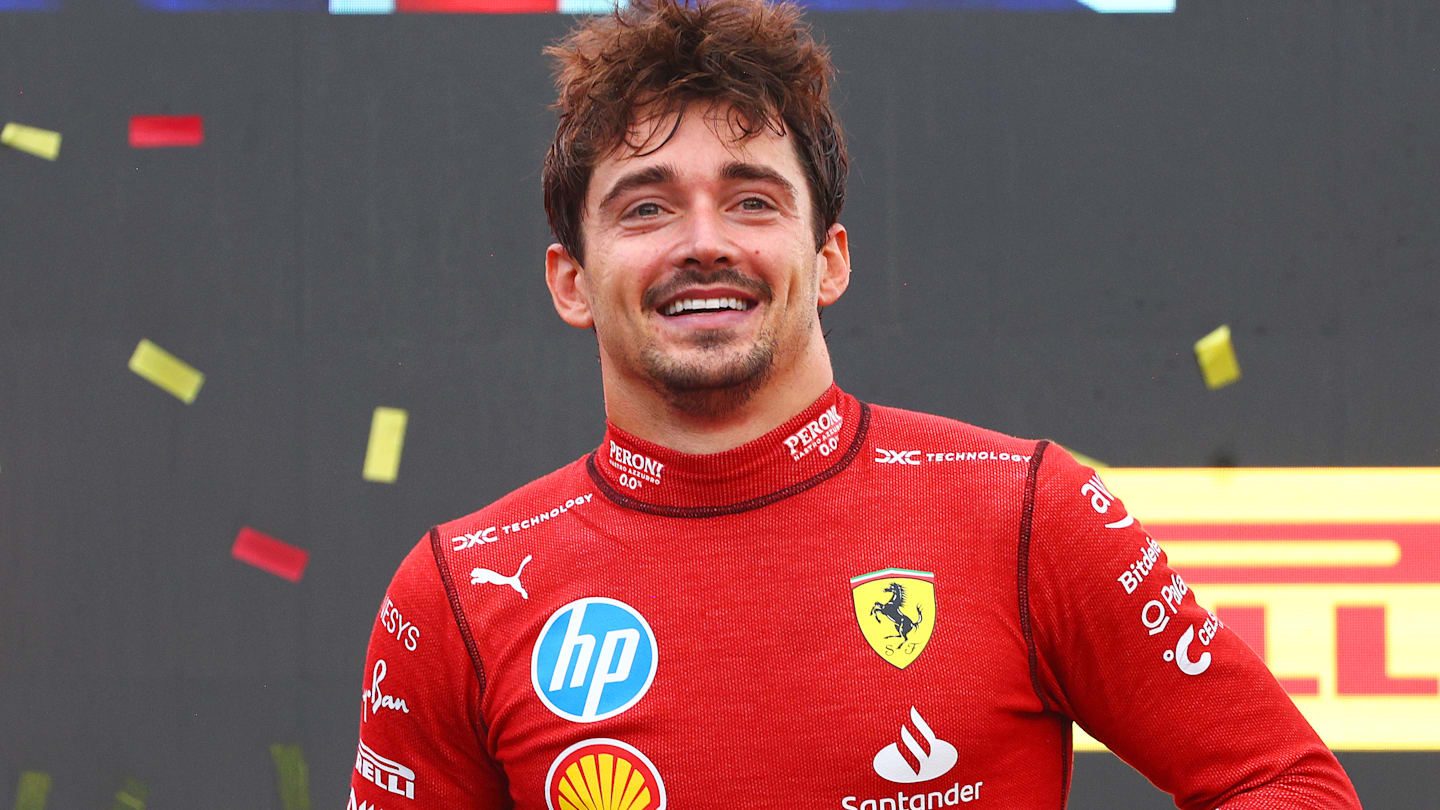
x=484, y=576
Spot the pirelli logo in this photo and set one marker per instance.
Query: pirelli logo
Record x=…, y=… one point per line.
x=1332, y=575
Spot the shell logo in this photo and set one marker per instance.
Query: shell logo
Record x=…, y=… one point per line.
x=603, y=774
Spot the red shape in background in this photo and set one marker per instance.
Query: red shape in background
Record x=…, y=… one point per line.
x=1360, y=652
x=1248, y=622
x=477, y=6
x=159, y=131
x=268, y=554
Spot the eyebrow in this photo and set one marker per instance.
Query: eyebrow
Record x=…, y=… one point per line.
x=666, y=173
x=738, y=170
x=648, y=176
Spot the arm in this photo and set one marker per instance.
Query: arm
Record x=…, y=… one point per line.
x=1125, y=650
x=421, y=733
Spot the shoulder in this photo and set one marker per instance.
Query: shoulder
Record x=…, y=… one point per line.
x=548, y=497
x=931, y=439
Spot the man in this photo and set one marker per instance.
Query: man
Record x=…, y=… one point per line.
x=759, y=592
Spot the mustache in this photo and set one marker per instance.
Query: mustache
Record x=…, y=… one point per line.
x=692, y=277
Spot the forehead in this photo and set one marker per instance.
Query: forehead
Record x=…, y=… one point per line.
x=703, y=143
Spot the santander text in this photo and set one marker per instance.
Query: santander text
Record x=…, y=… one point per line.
x=957, y=794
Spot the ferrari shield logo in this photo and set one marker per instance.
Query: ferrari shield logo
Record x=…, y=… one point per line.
x=896, y=611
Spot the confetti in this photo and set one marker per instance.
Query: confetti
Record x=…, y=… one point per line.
x=1216, y=355
x=292, y=775
x=159, y=131
x=41, y=143
x=362, y=6
x=33, y=791
x=166, y=371
x=387, y=439
x=270, y=555
x=132, y=796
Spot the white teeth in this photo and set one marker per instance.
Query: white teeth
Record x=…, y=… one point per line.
x=705, y=304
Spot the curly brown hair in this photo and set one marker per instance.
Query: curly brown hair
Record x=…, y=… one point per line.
x=757, y=61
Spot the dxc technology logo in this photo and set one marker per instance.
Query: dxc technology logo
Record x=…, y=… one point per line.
x=594, y=659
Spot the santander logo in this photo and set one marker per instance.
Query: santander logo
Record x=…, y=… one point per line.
x=923, y=763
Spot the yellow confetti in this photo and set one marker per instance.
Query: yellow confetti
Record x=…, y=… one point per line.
x=166, y=371
x=41, y=143
x=132, y=796
x=387, y=439
x=33, y=791
x=292, y=776
x=1216, y=355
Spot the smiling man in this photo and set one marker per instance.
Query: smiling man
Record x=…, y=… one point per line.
x=759, y=591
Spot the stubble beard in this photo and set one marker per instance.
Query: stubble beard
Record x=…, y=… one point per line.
x=709, y=390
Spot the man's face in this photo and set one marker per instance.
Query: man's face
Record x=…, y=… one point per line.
x=701, y=274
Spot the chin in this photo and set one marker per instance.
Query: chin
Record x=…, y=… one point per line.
x=707, y=387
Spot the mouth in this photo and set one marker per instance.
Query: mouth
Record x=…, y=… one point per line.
x=697, y=305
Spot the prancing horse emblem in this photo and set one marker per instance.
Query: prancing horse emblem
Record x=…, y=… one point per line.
x=891, y=610
x=895, y=609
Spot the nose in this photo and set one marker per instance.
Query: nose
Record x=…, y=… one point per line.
x=705, y=242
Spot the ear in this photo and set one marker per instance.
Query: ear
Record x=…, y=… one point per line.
x=834, y=269
x=566, y=280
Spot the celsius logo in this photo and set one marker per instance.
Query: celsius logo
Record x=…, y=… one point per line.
x=916, y=764
x=603, y=774
x=594, y=659
x=910, y=457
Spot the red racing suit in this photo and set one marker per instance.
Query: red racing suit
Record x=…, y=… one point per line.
x=865, y=609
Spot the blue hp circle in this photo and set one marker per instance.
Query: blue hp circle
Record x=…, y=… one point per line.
x=594, y=659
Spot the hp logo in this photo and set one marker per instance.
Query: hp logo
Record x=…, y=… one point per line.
x=594, y=659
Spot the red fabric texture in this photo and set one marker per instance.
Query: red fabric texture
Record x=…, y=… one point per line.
x=766, y=690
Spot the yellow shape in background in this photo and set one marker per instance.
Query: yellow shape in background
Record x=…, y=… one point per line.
x=166, y=371
x=33, y=792
x=42, y=143
x=292, y=776
x=387, y=439
x=1094, y=464
x=1216, y=355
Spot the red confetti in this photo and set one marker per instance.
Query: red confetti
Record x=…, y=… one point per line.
x=159, y=131
x=268, y=554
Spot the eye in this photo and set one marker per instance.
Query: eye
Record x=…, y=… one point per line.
x=647, y=209
x=754, y=204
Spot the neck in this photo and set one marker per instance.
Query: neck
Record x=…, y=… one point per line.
x=713, y=422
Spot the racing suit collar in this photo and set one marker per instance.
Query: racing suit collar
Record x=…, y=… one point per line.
x=814, y=445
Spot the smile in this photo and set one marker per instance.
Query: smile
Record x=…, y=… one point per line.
x=684, y=305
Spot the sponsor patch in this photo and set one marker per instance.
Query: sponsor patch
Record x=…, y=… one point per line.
x=820, y=434
x=594, y=658
x=635, y=469
x=374, y=699
x=603, y=774
x=394, y=623
x=384, y=773
x=484, y=576
x=354, y=805
x=896, y=612
x=931, y=756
